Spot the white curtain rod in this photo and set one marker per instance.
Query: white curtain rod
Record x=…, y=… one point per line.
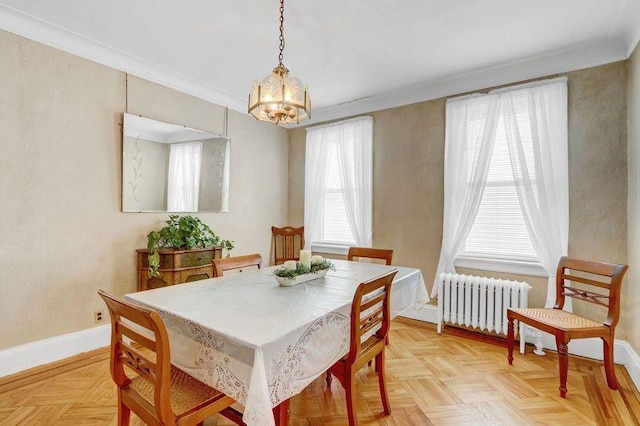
x=511, y=88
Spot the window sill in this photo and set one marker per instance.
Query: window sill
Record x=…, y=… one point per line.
x=519, y=267
x=329, y=248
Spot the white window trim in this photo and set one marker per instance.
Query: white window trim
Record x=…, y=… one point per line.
x=330, y=248
x=521, y=267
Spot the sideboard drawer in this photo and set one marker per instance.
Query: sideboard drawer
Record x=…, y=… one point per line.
x=197, y=258
x=177, y=266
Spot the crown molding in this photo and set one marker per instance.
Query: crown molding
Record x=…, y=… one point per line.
x=41, y=31
x=561, y=61
x=634, y=40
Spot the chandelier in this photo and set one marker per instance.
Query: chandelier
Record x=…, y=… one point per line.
x=279, y=97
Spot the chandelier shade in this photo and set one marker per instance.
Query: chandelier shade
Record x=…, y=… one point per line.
x=279, y=97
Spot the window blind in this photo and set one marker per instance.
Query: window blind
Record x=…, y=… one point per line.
x=335, y=223
x=499, y=229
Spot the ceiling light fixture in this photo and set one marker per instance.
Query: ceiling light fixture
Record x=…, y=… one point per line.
x=280, y=98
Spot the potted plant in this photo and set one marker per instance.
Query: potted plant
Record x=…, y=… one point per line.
x=182, y=232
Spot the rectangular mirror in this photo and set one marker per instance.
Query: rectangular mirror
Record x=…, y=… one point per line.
x=172, y=168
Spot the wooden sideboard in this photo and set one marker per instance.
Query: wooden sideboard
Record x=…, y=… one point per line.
x=177, y=266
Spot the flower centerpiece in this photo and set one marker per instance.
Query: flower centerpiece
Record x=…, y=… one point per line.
x=293, y=272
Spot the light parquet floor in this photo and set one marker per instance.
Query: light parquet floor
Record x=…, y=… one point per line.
x=439, y=380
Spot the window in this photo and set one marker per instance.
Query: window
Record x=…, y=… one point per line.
x=338, y=185
x=506, y=180
x=183, y=189
x=499, y=230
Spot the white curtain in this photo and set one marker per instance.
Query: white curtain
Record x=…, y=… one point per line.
x=183, y=189
x=315, y=185
x=542, y=184
x=355, y=166
x=541, y=179
x=466, y=165
x=353, y=141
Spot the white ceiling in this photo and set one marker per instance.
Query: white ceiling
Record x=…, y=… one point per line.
x=355, y=56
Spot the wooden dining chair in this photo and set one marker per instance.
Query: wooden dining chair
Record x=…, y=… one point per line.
x=370, y=321
x=566, y=326
x=155, y=390
x=287, y=243
x=370, y=253
x=236, y=263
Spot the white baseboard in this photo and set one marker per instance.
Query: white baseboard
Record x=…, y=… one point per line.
x=23, y=357
x=631, y=363
x=426, y=313
x=623, y=353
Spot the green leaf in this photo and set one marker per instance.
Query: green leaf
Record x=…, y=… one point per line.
x=183, y=232
x=154, y=263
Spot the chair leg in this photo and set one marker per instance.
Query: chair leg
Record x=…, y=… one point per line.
x=281, y=413
x=609, y=366
x=386, y=342
x=383, y=384
x=329, y=378
x=510, y=337
x=124, y=413
x=563, y=358
x=350, y=391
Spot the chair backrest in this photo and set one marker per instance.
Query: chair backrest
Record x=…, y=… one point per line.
x=370, y=311
x=287, y=243
x=607, y=276
x=138, y=354
x=370, y=253
x=237, y=262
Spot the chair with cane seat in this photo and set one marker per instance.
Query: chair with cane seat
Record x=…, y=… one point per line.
x=155, y=390
x=566, y=326
x=370, y=321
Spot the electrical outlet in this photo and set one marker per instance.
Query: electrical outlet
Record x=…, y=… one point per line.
x=98, y=316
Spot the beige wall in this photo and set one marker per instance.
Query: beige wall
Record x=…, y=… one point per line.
x=63, y=233
x=631, y=289
x=409, y=175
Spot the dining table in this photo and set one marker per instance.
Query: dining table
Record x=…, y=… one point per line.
x=262, y=343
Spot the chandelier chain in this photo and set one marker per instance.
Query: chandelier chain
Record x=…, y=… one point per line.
x=280, y=56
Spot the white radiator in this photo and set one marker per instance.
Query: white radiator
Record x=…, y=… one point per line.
x=480, y=302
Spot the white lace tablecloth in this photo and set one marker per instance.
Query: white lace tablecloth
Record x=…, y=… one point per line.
x=260, y=343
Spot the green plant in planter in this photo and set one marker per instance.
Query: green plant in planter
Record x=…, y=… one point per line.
x=301, y=269
x=182, y=232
